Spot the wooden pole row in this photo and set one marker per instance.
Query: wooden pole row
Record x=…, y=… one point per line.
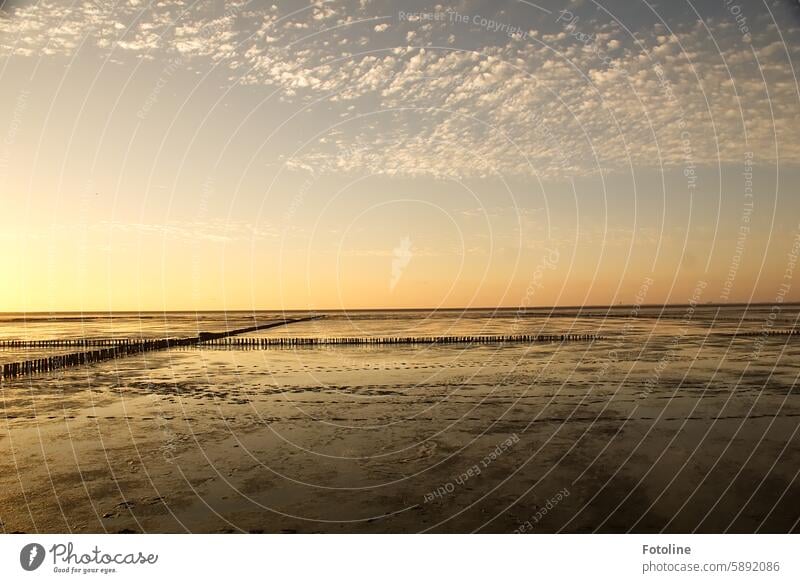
x=763, y=333
x=84, y=342
x=122, y=348
x=293, y=341
x=51, y=363
x=68, y=342
x=210, y=336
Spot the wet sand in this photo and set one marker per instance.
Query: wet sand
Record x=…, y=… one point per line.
x=548, y=438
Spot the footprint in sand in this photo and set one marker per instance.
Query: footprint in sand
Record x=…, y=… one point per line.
x=427, y=449
x=424, y=450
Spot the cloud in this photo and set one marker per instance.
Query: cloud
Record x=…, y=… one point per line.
x=212, y=231
x=569, y=100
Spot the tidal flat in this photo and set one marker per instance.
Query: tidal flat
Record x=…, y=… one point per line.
x=667, y=423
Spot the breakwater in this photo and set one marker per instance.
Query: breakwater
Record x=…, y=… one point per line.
x=69, y=342
x=114, y=348
x=270, y=342
x=750, y=333
x=51, y=363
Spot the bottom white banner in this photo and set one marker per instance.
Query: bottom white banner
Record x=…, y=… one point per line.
x=355, y=558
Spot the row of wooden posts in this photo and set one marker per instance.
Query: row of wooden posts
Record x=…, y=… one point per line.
x=228, y=340
x=766, y=333
x=125, y=348
x=139, y=345
x=380, y=340
x=119, y=348
x=51, y=363
x=69, y=342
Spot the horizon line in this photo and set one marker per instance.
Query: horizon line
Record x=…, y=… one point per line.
x=414, y=309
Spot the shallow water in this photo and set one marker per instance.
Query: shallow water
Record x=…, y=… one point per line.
x=669, y=422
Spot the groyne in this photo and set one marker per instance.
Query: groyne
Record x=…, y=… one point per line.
x=270, y=342
x=750, y=333
x=51, y=363
x=70, y=342
x=114, y=348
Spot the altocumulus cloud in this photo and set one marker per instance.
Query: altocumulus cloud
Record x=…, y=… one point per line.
x=441, y=98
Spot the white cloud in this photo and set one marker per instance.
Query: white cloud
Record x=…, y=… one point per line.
x=550, y=104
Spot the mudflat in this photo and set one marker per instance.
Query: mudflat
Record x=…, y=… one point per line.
x=616, y=435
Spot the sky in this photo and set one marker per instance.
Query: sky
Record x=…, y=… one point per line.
x=172, y=154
